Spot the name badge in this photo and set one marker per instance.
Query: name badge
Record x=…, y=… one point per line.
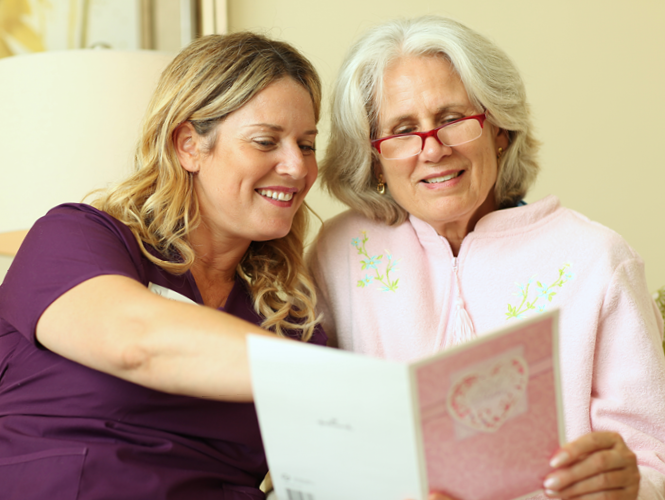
x=167, y=293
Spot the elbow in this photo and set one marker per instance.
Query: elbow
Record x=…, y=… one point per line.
x=132, y=351
x=130, y=356
x=132, y=359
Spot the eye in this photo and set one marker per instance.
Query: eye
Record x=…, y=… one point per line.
x=404, y=130
x=450, y=119
x=264, y=142
x=307, y=149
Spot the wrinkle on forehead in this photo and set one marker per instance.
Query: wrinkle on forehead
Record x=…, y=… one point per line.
x=405, y=90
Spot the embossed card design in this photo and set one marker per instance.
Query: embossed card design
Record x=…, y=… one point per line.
x=489, y=415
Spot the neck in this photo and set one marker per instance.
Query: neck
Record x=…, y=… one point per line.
x=217, y=252
x=457, y=230
x=214, y=268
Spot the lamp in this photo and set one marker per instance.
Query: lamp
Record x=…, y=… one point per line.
x=70, y=122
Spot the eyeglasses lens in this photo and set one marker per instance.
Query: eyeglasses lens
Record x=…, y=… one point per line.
x=455, y=134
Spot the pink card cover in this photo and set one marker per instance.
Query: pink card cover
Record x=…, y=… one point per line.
x=489, y=415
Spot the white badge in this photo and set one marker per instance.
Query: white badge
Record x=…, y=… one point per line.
x=169, y=294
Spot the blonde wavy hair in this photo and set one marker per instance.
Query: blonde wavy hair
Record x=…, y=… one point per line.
x=490, y=79
x=211, y=78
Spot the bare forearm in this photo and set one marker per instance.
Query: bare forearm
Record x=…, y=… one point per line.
x=115, y=325
x=197, y=351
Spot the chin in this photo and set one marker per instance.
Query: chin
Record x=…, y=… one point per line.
x=271, y=235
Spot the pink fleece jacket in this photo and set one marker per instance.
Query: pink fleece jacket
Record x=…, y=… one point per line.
x=392, y=292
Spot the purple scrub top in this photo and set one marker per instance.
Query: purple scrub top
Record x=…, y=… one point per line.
x=70, y=432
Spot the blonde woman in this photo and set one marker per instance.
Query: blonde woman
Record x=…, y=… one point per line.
x=110, y=389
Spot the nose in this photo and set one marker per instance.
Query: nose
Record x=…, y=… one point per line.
x=293, y=163
x=434, y=149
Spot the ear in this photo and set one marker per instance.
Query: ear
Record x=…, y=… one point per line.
x=501, y=138
x=377, y=168
x=187, y=146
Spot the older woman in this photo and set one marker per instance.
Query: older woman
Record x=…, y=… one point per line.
x=432, y=148
x=108, y=389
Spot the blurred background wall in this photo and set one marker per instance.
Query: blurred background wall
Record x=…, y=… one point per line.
x=594, y=71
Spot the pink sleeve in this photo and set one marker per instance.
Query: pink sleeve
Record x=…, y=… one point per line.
x=628, y=391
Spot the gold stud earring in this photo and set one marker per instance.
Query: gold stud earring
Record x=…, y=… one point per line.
x=499, y=154
x=381, y=186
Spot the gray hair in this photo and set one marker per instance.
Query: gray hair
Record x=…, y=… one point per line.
x=492, y=83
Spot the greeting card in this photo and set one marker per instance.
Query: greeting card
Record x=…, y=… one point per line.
x=479, y=421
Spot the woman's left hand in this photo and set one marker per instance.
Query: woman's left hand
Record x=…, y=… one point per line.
x=596, y=466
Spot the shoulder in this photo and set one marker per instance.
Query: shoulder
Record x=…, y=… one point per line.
x=69, y=245
x=78, y=238
x=595, y=237
x=343, y=224
x=350, y=234
x=348, y=228
x=77, y=229
x=351, y=243
x=547, y=222
x=81, y=215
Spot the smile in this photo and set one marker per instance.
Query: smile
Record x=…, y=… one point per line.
x=444, y=178
x=275, y=195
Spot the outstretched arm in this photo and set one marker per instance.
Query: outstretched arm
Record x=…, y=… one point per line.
x=116, y=325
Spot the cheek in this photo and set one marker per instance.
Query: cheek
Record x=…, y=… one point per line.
x=397, y=176
x=492, y=169
x=485, y=159
x=312, y=174
x=391, y=170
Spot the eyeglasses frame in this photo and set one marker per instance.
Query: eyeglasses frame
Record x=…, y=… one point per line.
x=376, y=143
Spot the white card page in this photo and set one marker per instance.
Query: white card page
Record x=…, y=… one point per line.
x=322, y=409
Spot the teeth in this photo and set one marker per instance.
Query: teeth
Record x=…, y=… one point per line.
x=442, y=179
x=276, y=195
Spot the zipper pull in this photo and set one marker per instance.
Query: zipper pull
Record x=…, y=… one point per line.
x=462, y=326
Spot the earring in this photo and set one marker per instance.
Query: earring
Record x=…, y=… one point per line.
x=499, y=153
x=381, y=186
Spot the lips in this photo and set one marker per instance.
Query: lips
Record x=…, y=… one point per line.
x=276, y=195
x=443, y=178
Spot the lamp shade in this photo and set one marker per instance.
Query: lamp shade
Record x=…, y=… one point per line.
x=70, y=123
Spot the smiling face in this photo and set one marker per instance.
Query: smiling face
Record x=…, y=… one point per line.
x=251, y=184
x=450, y=188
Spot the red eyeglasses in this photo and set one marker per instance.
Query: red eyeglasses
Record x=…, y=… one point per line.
x=455, y=133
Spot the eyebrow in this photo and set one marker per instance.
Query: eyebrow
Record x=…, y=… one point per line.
x=278, y=128
x=440, y=111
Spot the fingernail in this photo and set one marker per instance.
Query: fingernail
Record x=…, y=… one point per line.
x=552, y=483
x=559, y=459
x=551, y=493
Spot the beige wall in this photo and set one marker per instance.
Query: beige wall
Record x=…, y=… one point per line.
x=595, y=73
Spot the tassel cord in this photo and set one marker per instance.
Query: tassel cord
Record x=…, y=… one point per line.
x=463, y=330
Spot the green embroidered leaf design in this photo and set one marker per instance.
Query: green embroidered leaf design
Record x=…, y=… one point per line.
x=375, y=262
x=542, y=292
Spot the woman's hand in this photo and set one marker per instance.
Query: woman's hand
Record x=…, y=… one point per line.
x=438, y=496
x=596, y=466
